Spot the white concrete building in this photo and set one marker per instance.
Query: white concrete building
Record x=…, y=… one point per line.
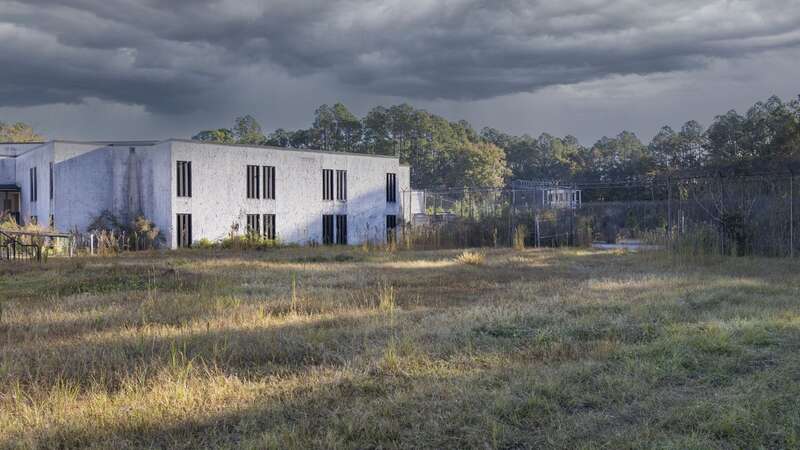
x=193, y=190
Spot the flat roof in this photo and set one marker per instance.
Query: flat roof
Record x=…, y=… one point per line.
x=149, y=143
x=291, y=149
x=128, y=143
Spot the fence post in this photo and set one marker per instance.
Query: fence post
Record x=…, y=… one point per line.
x=791, y=213
x=722, y=211
x=669, y=213
x=512, y=210
x=463, y=199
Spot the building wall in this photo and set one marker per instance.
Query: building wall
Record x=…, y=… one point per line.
x=8, y=160
x=39, y=157
x=127, y=180
x=155, y=182
x=124, y=180
x=219, y=202
x=83, y=184
x=8, y=170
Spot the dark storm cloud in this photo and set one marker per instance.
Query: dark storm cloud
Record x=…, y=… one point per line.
x=173, y=56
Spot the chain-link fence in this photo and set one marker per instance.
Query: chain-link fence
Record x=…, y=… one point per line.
x=733, y=215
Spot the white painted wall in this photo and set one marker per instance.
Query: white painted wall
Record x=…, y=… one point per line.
x=8, y=170
x=39, y=157
x=83, y=184
x=155, y=181
x=125, y=180
x=128, y=179
x=219, y=191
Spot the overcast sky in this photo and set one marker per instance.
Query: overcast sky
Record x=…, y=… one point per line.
x=94, y=69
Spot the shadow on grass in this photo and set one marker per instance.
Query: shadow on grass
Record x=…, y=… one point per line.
x=661, y=392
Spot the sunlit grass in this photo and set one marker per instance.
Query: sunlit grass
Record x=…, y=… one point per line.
x=471, y=257
x=352, y=347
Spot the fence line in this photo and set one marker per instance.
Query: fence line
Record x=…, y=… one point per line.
x=741, y=214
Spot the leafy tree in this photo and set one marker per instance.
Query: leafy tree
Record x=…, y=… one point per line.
x=220, y=136
x=378, y=137
x=280, y=138
x=324, y=128
x=348, y=129
x=18, y=132
x=336, y=129
x=301, y=139
x=684, y=150
x=619, y=157
x=247, y=130
x=480, y=164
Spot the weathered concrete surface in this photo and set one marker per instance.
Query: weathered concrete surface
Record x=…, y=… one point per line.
x=131, y=178
x=219, y=201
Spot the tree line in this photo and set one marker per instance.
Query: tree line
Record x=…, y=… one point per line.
x=440, y=152
x=445, y=153
x=452, y=153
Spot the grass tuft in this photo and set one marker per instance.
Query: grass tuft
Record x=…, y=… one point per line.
x=386, y=297
x=472, y=258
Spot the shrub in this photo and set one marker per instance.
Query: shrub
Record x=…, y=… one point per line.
x=204, y=243
x=520, y=233
x=7, y=221
x=144, y=229
x=114, y=235
x=472, y=258
x=248, y=242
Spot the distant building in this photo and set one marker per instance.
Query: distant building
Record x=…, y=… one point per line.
x=545, y=195
x=193, y=190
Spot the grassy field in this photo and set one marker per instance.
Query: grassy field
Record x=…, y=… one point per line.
x=342, y=347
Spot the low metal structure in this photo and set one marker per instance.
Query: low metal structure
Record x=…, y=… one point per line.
x=28, y=246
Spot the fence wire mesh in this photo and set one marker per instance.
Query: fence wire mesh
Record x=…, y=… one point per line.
x=741, y=215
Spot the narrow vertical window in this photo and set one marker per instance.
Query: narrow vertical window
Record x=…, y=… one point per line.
x=341, y=185
x=327, y=184
x=269, y=226
x=184, y=230
x=51, y=181
x=341, y=229
x=52, y=221
x=253, y=224
x=34, y=185
x=184, y=178
x=269, y=182
x=391, y=227
x=34, y=220
x=327, y=229
x=253, y=182
x=391, y=188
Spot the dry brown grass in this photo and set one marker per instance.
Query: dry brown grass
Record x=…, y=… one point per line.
x=354, y=348
x=471, y=257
